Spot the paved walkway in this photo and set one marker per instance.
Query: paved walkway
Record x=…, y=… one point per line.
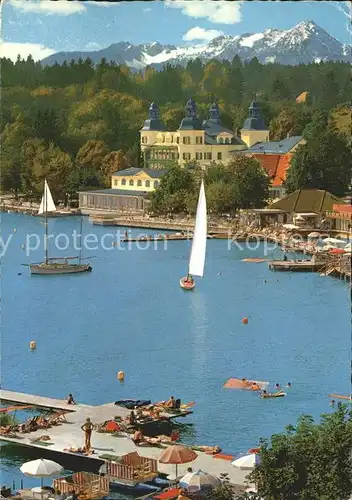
x=70, y=435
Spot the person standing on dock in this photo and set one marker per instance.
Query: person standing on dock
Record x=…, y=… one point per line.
x=87, y=428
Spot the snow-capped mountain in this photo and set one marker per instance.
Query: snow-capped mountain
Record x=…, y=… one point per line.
x=304, y=43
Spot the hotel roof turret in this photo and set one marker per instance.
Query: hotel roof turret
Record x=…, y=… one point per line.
x=191, y=121
x=153, y=122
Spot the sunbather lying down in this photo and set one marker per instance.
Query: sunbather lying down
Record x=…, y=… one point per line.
x=139, y=439
x=7, y=430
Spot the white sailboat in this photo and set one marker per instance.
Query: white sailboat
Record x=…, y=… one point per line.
x=199, y=243
x=58, y=265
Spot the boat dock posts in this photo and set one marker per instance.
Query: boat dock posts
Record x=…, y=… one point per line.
x=69, y=435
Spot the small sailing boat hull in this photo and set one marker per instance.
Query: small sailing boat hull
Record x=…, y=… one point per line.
x=52, y=269
x=186, y=285
x=276, y=395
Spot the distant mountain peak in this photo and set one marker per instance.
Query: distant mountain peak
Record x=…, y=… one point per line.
x=304, y=43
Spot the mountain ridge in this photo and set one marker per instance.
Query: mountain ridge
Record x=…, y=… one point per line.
x=303, y=44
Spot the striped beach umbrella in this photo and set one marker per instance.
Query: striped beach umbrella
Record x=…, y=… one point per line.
x=199, y=481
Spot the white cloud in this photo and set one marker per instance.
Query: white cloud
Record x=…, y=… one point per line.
x=48, y=7
x=198, y=33
x=93, y=46
x=346, y=9
x=36, y=50
x=220, y=12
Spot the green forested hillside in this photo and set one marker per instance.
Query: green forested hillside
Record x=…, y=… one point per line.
x=76, y=123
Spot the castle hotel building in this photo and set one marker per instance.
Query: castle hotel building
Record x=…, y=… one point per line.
x=203, y=142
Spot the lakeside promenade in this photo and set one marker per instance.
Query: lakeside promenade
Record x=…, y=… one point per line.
x=69, y=434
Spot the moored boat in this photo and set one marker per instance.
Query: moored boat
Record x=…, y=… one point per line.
x=52, y=267
x=57, y=265
x=199, y=243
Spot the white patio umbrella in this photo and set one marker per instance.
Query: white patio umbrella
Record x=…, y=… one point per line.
x=247, y=462
x=334, y=241
x=41, y=468
x=197, y=481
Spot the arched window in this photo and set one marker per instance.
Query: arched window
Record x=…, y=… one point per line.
x=227, y=140
x=131, y=183
x=139, y=183
x=156, y=184
x=221, y=140
x=147, y=184
x=123, y=182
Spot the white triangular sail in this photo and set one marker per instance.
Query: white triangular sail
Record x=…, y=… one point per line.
x=47, y=204
x=199, y=243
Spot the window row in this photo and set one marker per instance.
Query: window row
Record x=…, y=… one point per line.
x=226, y=140
x=201, y=156
x=158, y=154
x=185, y=140
x=138, y=183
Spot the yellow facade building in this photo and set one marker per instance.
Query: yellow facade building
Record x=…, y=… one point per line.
x=194, y=140
x=136, y=179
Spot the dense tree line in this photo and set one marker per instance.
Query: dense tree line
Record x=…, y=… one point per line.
x=309, y=461
x=76, y=123
x=242, y=183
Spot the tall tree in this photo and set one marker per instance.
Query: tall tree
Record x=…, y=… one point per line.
x=322, y=163
x=112, y=162
x=279, y=90
x=330, y=90
x=309, y=461
x=251, y=184
x=172, y=195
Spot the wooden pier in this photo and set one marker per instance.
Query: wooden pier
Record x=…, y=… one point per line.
x=310, y=265
x=68, y=435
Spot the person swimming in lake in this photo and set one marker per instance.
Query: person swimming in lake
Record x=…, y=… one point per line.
x=277, y=386
x=289, y=385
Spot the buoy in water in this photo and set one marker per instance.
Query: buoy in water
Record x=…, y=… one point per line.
x=33, y=344
x=121, y=376
x=244, y=321
x=14, y=229
x=23, y=247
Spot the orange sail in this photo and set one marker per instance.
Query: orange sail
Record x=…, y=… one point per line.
x=245, y=385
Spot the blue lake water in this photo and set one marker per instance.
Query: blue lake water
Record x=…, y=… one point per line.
x=130, y=314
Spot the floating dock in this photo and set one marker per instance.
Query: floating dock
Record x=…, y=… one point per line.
x=296, y=265
x=69, y=435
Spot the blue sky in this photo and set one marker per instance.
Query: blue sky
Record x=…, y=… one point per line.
x=42, y=27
